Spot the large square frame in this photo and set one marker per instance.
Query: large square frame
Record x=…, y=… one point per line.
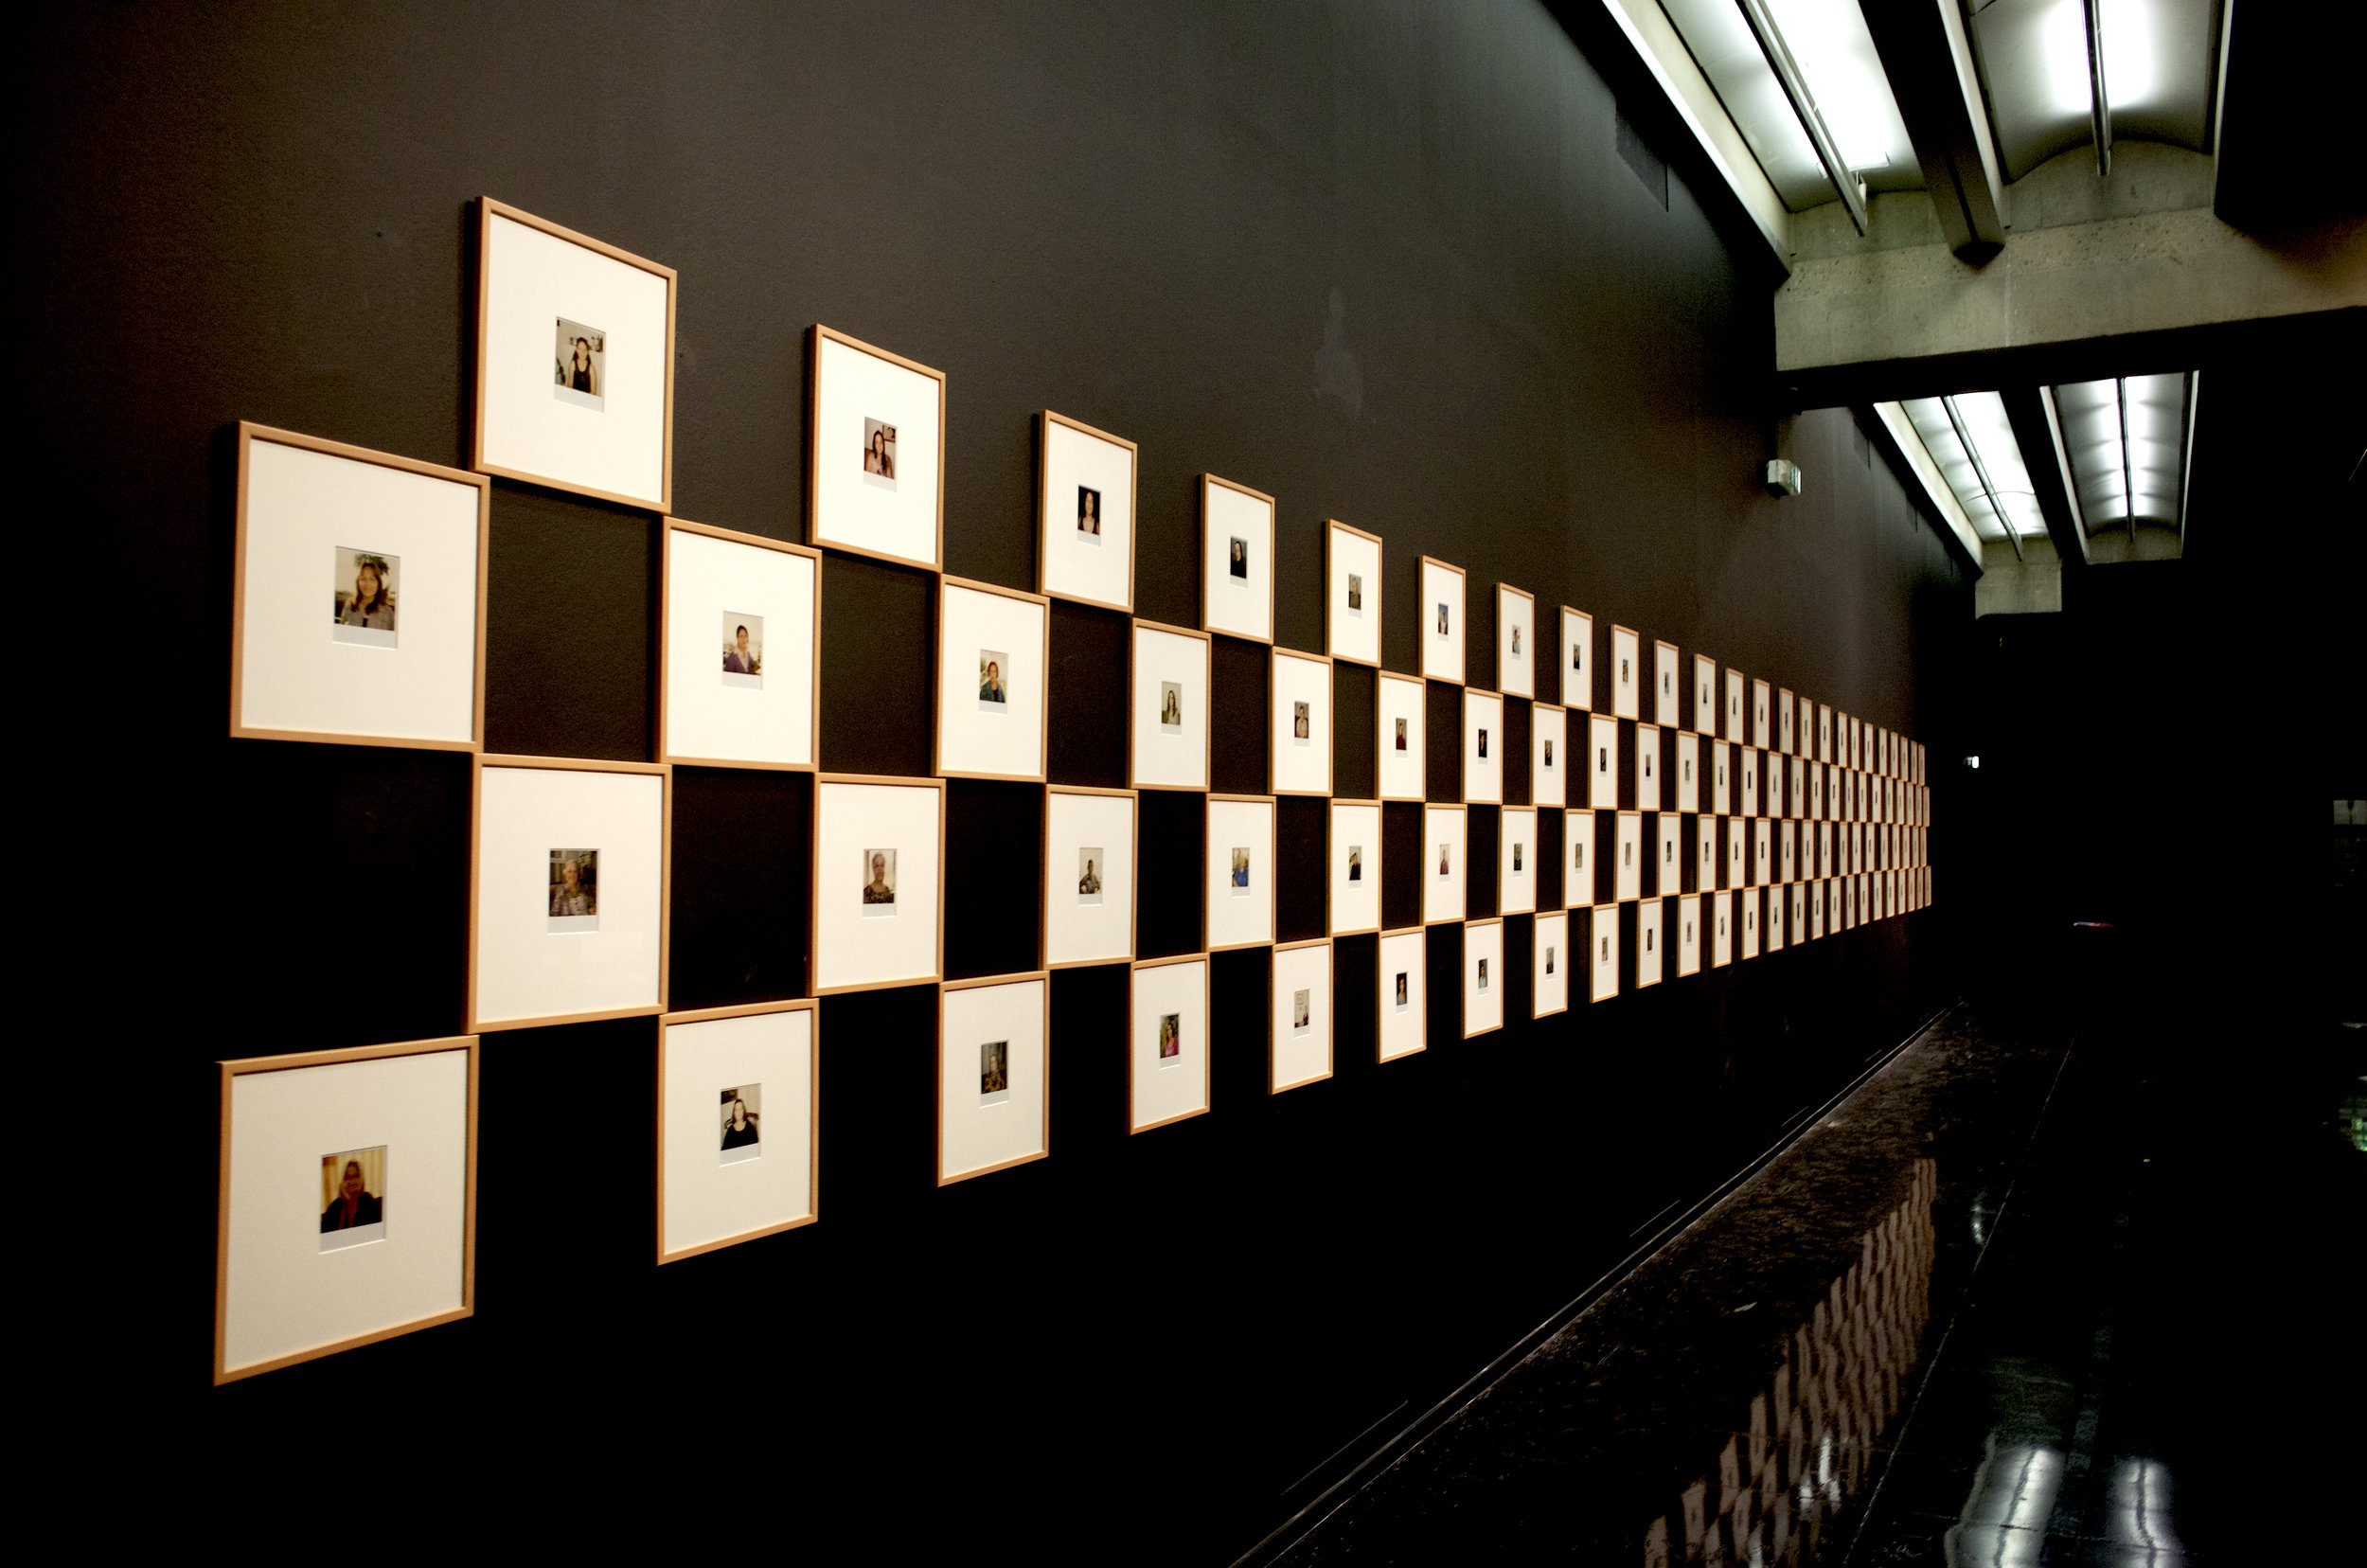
x=1054, y=949
x=1224, y=506
x=1516, y=623
x=1397, y=697
x=833, y=355
x=1154, y=652
x=955, y=741
x=1352, y=634
x=1442, y=655
x=826, y=935
x=1068, y=453
x=1299, y=677
x=1216, y=885
x=807, y=649
x=667, y=1061
x=1294, y=961
x=1143, y=1043
x=1038, y=1062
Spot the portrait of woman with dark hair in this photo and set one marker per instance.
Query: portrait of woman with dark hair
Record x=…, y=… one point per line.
x=370, y=601
x=1088, y=510
x=581, y=372
x=879, y=451
x=740, y=1119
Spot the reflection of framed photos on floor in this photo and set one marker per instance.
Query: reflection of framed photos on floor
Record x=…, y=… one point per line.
x=1404, y=1017
x=358, y=608
x=1085, y=514
x=1351, y=594
x=1298, y=1049
x=1299, y=751
x=1482, y=977
x=738, y=1123
x=1241, y=882
x=1355, y=867
x=1167, y=738
x=875, y=460
x=1516, y=641
x=878, y=882
x=1441, y=608
x=346, y=1203
x=739, y=640
x=995, y=1092
x=1236, y=541
x=993, y=713
x=574, y=360
x=1400, y=762
x=1089, y=848
x=1549, y=969
x=1167, y=1042
x=568, y=891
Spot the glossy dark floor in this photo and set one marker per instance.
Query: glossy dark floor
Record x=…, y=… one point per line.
x=2031, y=1296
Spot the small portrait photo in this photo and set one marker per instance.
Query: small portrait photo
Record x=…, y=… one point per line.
x=1401, y=990
x=1445, y=860
x=363, y=612
x=1483, y=745
x=1355, y=863
x=743, y=651
x=878, y=883
x=1170, y=1037
x=1483, y=974
x=994, y=1072
x=994, y=668
x=1299, y=735
x=1400, y=735
x=1171, y=707
x=1443, y=623
x=1623, y=673
x=1549, y=752
x=879, y=454
x=1549, y=959
x=1515, y=640
x=575, y=890
x=1356, y=593
x=1239, y=559
x=1240, y=872
x=1089, y=512
x=582, y=364
x=1517, y=848
x=1299, y=1011
x=741, y=1106
x=1089, y=865
x=353, y=1198
x=1577, y=655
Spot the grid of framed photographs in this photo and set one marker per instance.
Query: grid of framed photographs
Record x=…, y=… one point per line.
x=1725, y=813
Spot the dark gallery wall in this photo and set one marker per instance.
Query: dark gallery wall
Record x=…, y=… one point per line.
x=1385, y=264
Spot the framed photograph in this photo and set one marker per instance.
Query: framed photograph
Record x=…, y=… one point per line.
x=1578, y=660
x=345, y=1207
x=1686, y=913
x=1299, y=751
x=1603, y=950
x=1786, y=856
x=740, y=636
x=1549, y=966
x=1355, y=860
x=1602, y=749
x=1403, y=1006
x=1737, y=852
x=1236, y=541
x=1786, y=734
x=1516, y=641
x=1166, y=1077
x=1771, y=920
x=875, y=458
x=1628, y=869
x=1482, y=976
x=397, y=548
x=1647, y=942
x=738, y=1123
x=1085, y=514
x=1823, y=733
x=1549, y=751
x=1747, y=923
x=1090, y=841
x=1351, y=594
x=994, y=1075
x=1627, y=673
x=1668, y=859
x=1441, y=609
x=878, y=883
x=1733, y=708
x=1168, y=730
x=1647, y=767
x=1796, y=898
x=1668, y=690
x=1704, y=717
x=1704, y=853
x=1747, y=780
x=1516, y=861
x=1400, y=766
x=1717, y=772
x=1684, y=781
x=1761, y=735
x=1299, y=1050
x=1719, y=926
x=1818, y=894
x=1578, y=859
x=1796, y=790
x=567, y=896
x=1442, y=869
x=575, y=362
x=1240, y=887
x=993, y=712
x=1483, y=746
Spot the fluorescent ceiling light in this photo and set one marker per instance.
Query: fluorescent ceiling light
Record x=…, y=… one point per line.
x=1987, y=444
x=2127, y=440
x=1835, y=53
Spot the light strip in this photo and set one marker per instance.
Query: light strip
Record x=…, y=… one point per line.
x=2100, y=102
x=2120, y=393
x=1956, y=421
x=1851, y=189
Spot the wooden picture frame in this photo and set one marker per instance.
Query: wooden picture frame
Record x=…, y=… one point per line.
x=1352, y=827
x=1627, y=673
x=1549, y=755
x=1069, y=452
x=1289, y=674
x=1444, y=588
x=974, y=741
x=827, y=488
x=1668, y=693
x=1149, y=663
x=1549, y=964
x=261, y=637
x=1516, y=860
x=1005, y=1147
x=1051, y=941
x=674, y=1116
x=244, y=1249
x=1291, y=963
x=1403, y=953
x=1483, y=747
x=1170, y=980
x=514, y=449
x=1352, y=593
x=481, y=930
x=1650, y=951
x=1762, y=720
x=1223, y=878
x=1446, y=896
x=1225, y=506
x=1704, y=719
x=1400, y=700
x=1733, y=732
x=1602, y=953
x=1482, y=976
x=1516, y=641
x=1578, y=660
x=670, y=702
x=824, y=783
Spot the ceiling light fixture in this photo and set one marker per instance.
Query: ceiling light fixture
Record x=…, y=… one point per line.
x=1786, y=69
